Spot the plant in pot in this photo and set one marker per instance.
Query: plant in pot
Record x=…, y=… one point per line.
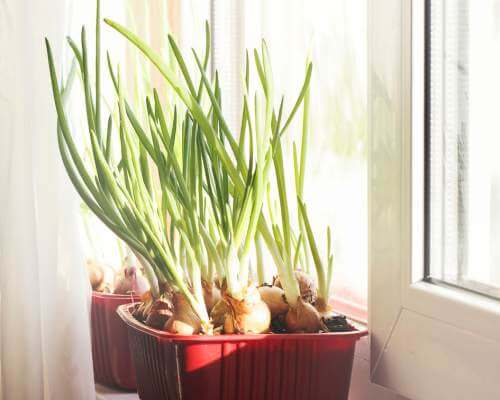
x=111, y=285
x=186, y=194
x=111, y=356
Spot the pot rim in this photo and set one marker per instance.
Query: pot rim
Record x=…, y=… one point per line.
x=125, y=314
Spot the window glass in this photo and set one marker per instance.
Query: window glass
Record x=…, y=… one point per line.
x=463, y=138
x=332, y=34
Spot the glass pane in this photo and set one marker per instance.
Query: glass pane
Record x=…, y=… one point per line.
x=333, y=35
x=464, y=135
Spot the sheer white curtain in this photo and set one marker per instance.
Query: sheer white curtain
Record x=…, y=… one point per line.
x=45, y=350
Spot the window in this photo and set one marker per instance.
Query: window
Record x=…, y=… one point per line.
x=333, y=36
x=463, y=134
x=432, y=76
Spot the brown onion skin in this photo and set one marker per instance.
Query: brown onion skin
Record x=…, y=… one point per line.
x=307, y=285
x=218, y=313
x=274, y=297
x=211, y=295
x=183, y=321
x=256, y=321
x=179, y=325
x=95, y=273
x=160, y=312
x=304, y=318
x=154, y=312
x=142, y=310
x=130, y=281
x=325, y=310
x=248, y=315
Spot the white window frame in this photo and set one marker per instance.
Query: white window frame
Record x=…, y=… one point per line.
x=427, y=341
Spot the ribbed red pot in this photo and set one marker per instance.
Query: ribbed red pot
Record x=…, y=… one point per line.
x=240, y=367
x=111, y=357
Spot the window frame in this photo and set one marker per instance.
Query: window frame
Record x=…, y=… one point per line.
x=423, y=344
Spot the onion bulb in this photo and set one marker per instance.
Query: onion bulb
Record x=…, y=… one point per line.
x=274, y=297
x=307, y=285
x=160, y=312
x=218, y=313
x=95, y=273
x=184, y=320
x=211, y=295
x=248, y=315
x=325, y=310
x=142, y=309
x=130, y=279
x=304, y=318
x=154, y=312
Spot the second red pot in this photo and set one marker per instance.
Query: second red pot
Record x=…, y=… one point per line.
x=111, y=357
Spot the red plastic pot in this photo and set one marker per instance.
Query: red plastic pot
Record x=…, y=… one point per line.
x=111, y=357
x=240, y=367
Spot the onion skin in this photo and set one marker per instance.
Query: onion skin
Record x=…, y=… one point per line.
x=142, y=310
x=218, y=313
x=256, y=321
x=183, y=321
x=249, y=315
x=159, y=313
x=274, y=297
x=325, y=310
x=131, y=281
x=154, y=312
x=181, y=326
x=211, y=295
x=95, y=273
x=304, y=318
x=307, y=285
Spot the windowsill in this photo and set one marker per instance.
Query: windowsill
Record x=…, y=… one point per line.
x=352, y=310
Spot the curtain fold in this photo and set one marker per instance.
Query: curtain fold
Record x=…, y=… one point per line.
x=45, y=350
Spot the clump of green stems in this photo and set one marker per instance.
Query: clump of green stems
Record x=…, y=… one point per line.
x=185, y=193
x=244, y=180
x=122, y=192
x=324, y=272
x=295, y=250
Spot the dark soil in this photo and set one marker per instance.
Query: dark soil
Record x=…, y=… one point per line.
x=337, y=323
x=334, y=323
x=278, y=324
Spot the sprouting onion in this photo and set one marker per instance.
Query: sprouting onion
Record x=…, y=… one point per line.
x=236, y=219
x=170, y=178
x=324, y=272
x=120, y=193
x=235, y=214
